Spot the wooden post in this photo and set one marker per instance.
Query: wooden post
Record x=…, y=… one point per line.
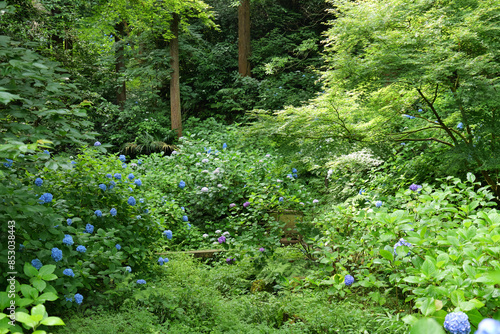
x=244, y=38
x=175, y=94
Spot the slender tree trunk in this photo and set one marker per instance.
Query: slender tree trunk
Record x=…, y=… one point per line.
x=244, y=38
x=121, y=93
x=175, y=95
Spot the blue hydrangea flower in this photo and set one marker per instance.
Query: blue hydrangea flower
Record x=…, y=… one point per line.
x=488, y=326
x=38, y=182
x=73, y=162
x=118, y=176
x=146, y=211
x=124, y=165
x=81, y=249
x=141, y=200
x=130, y=189
x=160, y=261
x=378, y=204
x=102, y=186
x=69, y=298
x=138, y=183
x=113, y=212
x=98, y=213
x=415, y=187
x=45, y=198
x=188, y=226
x=141, y=281
x=185, y=218
x=460, y=126
x=182, y=184
x=97, y=143
x=56, y=254
x=46, y=152
x=89, y=228
x=118, y=246
x=78, y=298
x=294, y=170
x=122, y=158
x=401, y=242
x=138, y=217
x=68, y=240
x=109, y=176
x=37, y=264
x=168, y=234
x=224, y=146
x=281, y=199
x=112, y=184
x=361, y=191
x=127, y=268
x=8, y=164
x=348, y=280
x=131, y=201
x=139, y=162
x=131, y=176
x=69, y=272
x=69, y=221
x=182, y=208
x=457, y=323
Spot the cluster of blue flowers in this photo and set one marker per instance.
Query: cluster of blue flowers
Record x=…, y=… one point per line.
x=38, y=182
x=457, y=323
x=161, y=261
x=348, y=280
x=97, y=143
x=9, y=163
x=182, y=184
x=69, y=272
x=415, y=187
x=113, y=212
x=78, y=298
x=122, y=158
x=460, y=126
x=102, y=186
x=45, y=198
x=401, y=242
x=68, y=240
x=81, y=249
x=488, y=326
x=118, y=246
x=98, y=213
x=185, y=218
x=69, y=221
x=127, y=268
x=89, y=228
x=131, y=201
x=138, y=183
x=168, y=234
x=378, y=204
x=130, y=176
x=37, y=264
x=57, y=254
x=141, y=281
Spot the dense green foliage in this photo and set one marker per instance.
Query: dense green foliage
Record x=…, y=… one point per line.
x=371, y=141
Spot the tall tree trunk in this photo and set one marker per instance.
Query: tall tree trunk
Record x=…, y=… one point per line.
x=175, y=94
x=244, y=38
x=121, y=93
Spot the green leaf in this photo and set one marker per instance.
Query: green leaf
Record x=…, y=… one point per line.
x=47, y=269
x=428, y=307
x=48, y=296
x=29, y=270
x=38, y=309
x=53, y=321
x=386, y=254
x=39, y=284
x=427, y=326
x=4, y=300
x=428, y=268
x=25, y=319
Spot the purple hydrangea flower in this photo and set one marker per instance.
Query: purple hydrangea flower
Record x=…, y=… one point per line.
x=232, y=205
x=97, y=143
x=204, y=189
x=262, y=249
x=230, y=260
x=246, y=204
x=315, y=201
x=222, y=239
x=457, y=323
x=401, y=242
x=415, y=187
